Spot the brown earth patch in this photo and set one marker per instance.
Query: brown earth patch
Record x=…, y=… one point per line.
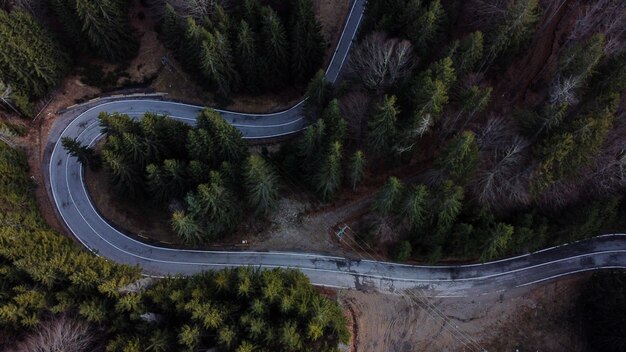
x=539, y=318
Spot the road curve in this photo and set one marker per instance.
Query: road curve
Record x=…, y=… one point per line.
x=77, y=211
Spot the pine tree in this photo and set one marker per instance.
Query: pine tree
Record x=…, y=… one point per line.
x=84, y=154
x=186, y=227
x=416, y=207
x=469, y=52
x=216, y=205
x=428, y=24
x=307, y=43
x=261, y=184
x=357, y=168
x=318, y=93
x=217, y=64
x=335, y=124
x=448, y=205
x=105, y=24
x=328, y=178
x=382, y=126
x=231, y=146
x=32, y=60
x=200, y=146
x=388, y=199
x=247, y=57
x=460, y=157
x=274, y=55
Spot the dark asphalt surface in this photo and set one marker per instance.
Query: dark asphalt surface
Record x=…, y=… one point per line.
x=67, y=188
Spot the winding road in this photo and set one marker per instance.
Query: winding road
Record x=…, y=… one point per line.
x=75, y=208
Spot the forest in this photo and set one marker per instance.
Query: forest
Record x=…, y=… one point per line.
x=49, y=283
x=474, y=168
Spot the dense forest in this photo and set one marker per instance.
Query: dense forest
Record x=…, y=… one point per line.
x=49, y=283
x=205, y=170
x=239, y=46
x=479, y=161
x=250, y=48
x=490, y=153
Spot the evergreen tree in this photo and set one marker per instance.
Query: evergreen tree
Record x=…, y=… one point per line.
x=231, y=146
x=416, y=207
x=357, y=168
x=32, y=60
x=388, y=199
x=84, y=154
x=216, y=63
x=428, y=25
x=105, y=24
x=247, y=57
x=328, y=178
x=512, y=29
x=274, y=43
x=335, y=124
x=261, y=184
x=307, y=43
x=448, y=205
x=460, y=157
x=468, y=53
x=318, y=93
x=382, y=126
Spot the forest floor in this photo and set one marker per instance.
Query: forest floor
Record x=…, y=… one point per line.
x=538, y=318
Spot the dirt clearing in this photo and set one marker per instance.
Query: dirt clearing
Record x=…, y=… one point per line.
x=531, y=319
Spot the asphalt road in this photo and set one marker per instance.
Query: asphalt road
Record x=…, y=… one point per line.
x=65, y=177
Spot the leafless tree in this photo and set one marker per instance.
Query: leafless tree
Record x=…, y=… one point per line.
x=355, y=107
x=485, y=12
x=378, y=61
x=59, y=334
x=604, y=16
x=563, y=90
x=501, y=181
x=607, y=176
x=560, y=194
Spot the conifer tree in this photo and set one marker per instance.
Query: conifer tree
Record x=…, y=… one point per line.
x=105, y=24
x=382, y=126
x=388, y=199
x=357, y=168
x=335, y=124
x=274, y=44
x=84, y=154
x=318, y=93
x=247, y=57
x=31, y=58
x=261, y=184
x=328, y=178
x=460, y=157
x=307, y=43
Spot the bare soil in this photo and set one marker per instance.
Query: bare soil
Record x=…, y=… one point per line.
x=541, y=318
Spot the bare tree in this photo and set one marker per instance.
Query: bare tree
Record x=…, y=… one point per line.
x=59, y=334
x=603, y=16
x=501, y=181
x=607, y=176
x=563, y=90
x=355, y=107
x=378, y=62
x=485, y=12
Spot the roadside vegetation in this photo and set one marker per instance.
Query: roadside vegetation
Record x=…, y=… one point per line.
x=478, y=161
x=204, y=173
x=54, y=293
x=468, y=158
